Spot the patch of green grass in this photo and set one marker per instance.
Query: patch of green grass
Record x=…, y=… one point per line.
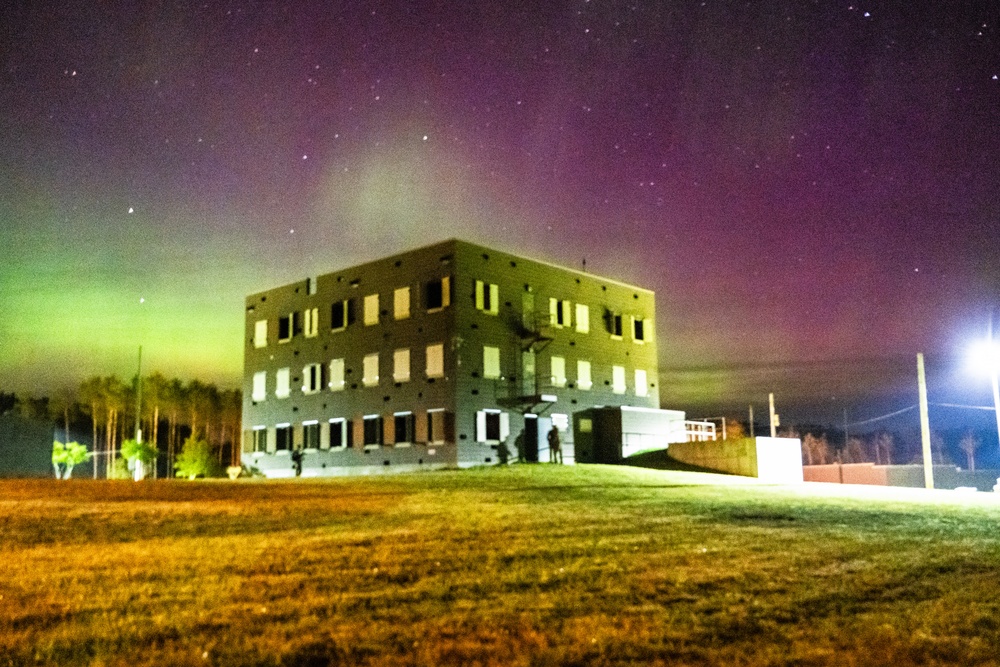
x=526, y=565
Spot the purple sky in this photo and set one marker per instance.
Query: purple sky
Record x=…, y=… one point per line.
x=810, y=187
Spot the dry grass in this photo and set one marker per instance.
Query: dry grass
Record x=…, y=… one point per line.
x=525, y=565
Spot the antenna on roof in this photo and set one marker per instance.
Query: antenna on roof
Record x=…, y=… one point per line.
x=585, y=264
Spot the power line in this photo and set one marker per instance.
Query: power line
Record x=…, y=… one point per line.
x=880, y=418
x=967, y=407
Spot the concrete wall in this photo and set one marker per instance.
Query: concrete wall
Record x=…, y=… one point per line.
x=777, y=460
x=945, y=477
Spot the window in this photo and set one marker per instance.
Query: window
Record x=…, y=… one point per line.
x=260, y=438
x=259, y=386
x=435, y=360
x=492, y=426
x=340, y=433
x=285, y=323
x=282, y=387
x=438, y=294
x=371, y=309
x=283, y=437
x=260, y=334
x=583, y=379
x=336, y=374
x=638, y=329
x=614, y=324
x=311, y=286
x=558, y=376
x=491, y=362
x=436, y=426
x=310, y=434
x=312, y=378
x=401, y=365
x=373, y=430
x=370, y=378
x=401, y=303
x=561, y=422
x=342, y=314
x=618, y=379
x=641, y=384
x=559, y=312
x=312, y=322
x=487, y=297
x=403, y=428
x=582, y=318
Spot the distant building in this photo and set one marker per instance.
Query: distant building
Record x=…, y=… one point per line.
x=434, y=357
x=25, y=446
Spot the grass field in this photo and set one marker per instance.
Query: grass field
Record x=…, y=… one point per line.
x=527, y=565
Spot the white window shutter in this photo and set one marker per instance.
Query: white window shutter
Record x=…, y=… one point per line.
x=553, y=311
x=445, y=291
x=504, y=426
x=480, y=297
x=480, y=426
x=566, y=307
x=494, y=298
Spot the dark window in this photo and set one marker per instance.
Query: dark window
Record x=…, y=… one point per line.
x=404, y=428
x=296, y=323
x=342, y=314
x=639, y=332
x=337, y=434
x=493, y=426
x=373, y=431
x=435, y=295
x=260, y=440
x=285, y=327
x=284, y=437
x=310, y=435
x=614, y=322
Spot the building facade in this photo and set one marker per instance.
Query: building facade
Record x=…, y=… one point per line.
x=434, y=358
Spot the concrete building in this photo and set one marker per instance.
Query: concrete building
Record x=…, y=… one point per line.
x=433, y=358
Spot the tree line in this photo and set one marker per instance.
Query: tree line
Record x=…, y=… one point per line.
x=102, y=410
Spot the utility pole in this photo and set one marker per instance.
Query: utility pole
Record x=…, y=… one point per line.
x=925, y=427
x=752, y=434
x=138, y=399
x=774, y=416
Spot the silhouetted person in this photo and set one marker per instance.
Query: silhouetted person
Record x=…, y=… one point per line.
x=519, y=446
x=503, y=454
x=555, y=447
x=297, y=461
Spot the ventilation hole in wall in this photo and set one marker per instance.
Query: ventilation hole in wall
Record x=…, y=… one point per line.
x=296, y=353
x=386, y=462
x=324, y=465
x=486, y=257
x=475, y=326
x=652, y=384
x=295, y=408
x=383, y=312
x=355, y=282
x=572, y=343
x=507, y=303
x=355, y=385
x=445, y=259
x=399, y=263
x=430, y=380
x=577, y=281
x=340, y=279
x=420, y=461
x=398, y=385
x=573, y=401
x=513, y=264
x=570, y=385
x=263, y=298
x=250, y=309
x=607, y=383
x=475, y=374
x=324, y=406
x=296, y=290
x=385, y=398
x=420, y=394
x=475, y=392
x=324, y=346
x=461, y=437
x=604, y=288
x=420, y=329
x=489, y=460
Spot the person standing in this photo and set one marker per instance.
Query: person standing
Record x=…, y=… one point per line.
x=555, y=447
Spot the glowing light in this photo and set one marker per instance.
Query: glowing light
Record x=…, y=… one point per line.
x=984, y=356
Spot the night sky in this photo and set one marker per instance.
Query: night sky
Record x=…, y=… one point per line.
x=811, y=188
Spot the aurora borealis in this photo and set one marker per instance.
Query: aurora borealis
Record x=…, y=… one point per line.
x=810, y=187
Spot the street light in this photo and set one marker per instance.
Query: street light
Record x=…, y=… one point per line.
x=986, y=356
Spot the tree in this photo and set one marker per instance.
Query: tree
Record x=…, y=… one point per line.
x=196, y=460
x=817, y=450
x=66, y=457
x=139, y=455
x=969, y=444
x=884, y=443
